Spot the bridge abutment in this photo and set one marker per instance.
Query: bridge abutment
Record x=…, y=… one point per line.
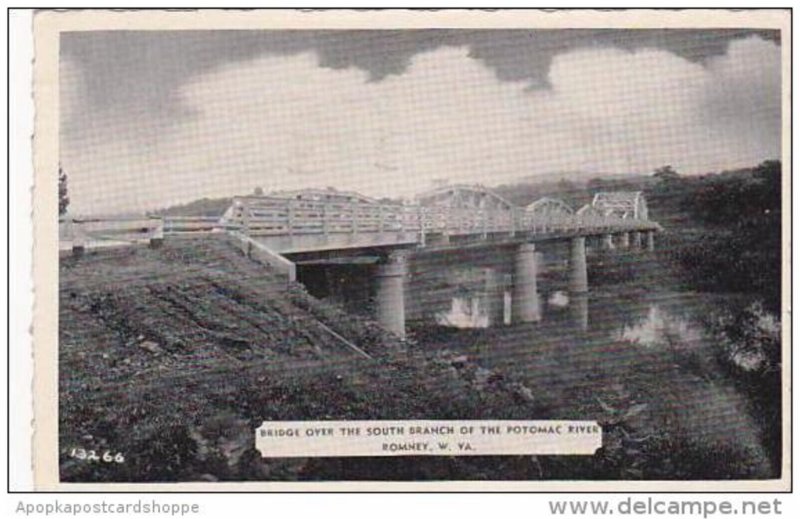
x=390, y=277
x=579, y=280
x=651, y=241
x=525, y=298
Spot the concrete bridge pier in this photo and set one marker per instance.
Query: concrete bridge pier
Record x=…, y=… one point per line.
x=525, y=296
x=493, y=288
x=579, y=280
x=651, y=241
x=624, y=240
x=390, y=277
x=579, y=306
x=637, y=240
x=608, y=242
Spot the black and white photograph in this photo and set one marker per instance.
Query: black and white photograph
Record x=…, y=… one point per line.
x=415, y=251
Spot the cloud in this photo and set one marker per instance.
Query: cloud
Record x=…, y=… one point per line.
x=744, y=100
x=286, y=122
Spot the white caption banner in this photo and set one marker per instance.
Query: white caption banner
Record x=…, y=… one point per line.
x=427, y=438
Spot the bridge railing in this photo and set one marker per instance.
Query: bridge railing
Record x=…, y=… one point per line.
x=195, y=225
x=273, y=216
x=280, y=216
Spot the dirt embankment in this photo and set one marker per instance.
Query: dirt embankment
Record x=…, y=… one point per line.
x=172, y=357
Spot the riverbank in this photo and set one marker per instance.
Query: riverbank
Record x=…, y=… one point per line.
x=643, y=346
x=743, y=307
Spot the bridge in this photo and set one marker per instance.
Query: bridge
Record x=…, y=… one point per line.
x=320, y=227
x=464, y=214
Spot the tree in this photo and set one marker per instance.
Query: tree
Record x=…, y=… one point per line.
x=63, y=193
x=258, y=191
x=666, y=174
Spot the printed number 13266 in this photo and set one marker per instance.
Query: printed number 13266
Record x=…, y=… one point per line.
x=91, y=455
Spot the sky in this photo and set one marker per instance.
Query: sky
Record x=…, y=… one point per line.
x=154, y=118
